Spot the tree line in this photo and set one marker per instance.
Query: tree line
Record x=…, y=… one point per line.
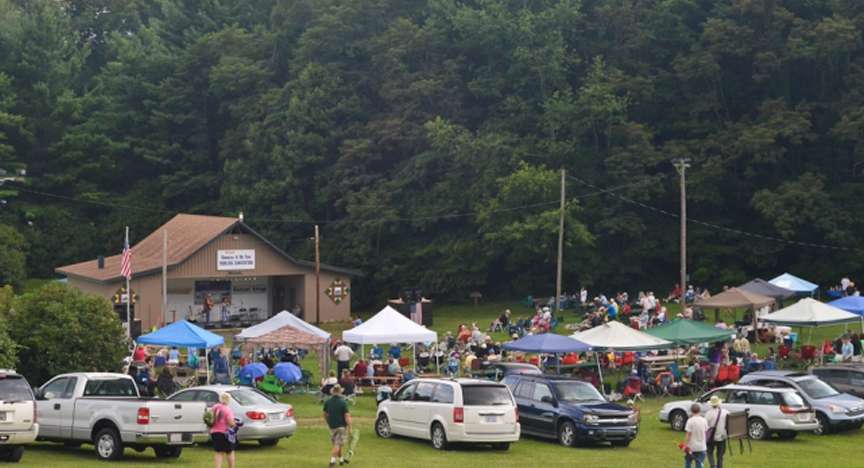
x=426, y=136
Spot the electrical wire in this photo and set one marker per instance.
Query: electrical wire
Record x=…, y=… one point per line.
x=718, y=227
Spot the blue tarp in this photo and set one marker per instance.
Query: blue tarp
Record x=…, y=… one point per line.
x=288, y=372
x=854, y=304
x=794, y=283
x=182, y=334
x=547, y=343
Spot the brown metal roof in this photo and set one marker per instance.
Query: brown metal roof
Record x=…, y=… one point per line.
x=186, y=235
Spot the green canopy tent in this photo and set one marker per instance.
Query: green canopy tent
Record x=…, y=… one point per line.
x=687, y=332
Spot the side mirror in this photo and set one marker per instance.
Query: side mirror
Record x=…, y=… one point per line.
x=548, y=399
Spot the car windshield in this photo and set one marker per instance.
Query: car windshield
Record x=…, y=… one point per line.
x=815, y=388
x=576, y=391
x=486, y=395
x=249, y=398
x=15, y=389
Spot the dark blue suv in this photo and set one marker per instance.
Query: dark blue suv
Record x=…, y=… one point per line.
x=571, y=411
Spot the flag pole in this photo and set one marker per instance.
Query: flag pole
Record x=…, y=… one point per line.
x=128, y=296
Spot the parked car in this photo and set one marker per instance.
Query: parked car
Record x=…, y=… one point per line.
x=264, y=419
x=18, y=426
x=847, y=378
x=779, y=411
x=451, y=410
x=106, y=409
x=834, y=410
x=571, y=411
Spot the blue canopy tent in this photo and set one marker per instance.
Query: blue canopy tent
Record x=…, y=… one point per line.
x=794, y=283
x=854, y=304
x=547, y=343
x=183, y=334
x=288, y=372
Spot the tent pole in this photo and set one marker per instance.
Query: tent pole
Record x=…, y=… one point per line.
x=207, y=363
x=600, y=373
x=438, y=365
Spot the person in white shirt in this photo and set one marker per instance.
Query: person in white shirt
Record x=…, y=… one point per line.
x=583, y=296
x=694, y=443
x=343, y=355
x=717, y=434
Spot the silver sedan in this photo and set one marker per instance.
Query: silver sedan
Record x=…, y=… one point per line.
x=264, y=419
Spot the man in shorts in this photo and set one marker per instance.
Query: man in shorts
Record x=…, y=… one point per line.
x=339, y=420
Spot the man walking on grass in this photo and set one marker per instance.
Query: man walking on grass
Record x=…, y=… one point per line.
x=339, y=421
x=694, y=445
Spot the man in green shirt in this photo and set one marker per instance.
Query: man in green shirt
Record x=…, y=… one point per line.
x=339, y=420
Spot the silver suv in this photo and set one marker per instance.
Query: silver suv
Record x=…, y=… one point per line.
x=834, y=410
x=781, y=411
x=18, y=426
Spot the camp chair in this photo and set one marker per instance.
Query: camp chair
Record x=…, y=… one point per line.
x=664, y=382
x=271, y=385
x=783, y=351
x=633, y=388
x=808, y=353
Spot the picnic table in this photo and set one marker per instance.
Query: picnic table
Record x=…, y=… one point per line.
x=392, y=381
x=662, y=362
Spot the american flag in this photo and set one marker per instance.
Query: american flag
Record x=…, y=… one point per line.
x=126, y=262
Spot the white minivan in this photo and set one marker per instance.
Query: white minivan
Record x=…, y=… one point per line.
x=451, y=410
x=18, y=426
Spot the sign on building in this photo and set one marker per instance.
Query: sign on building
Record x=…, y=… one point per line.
x=233, y=260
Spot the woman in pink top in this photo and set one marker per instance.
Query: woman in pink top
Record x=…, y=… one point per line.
x=223, y=422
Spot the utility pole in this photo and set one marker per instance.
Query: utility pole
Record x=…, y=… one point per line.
x=681, y=166
x=560, y=244
x=317, y=276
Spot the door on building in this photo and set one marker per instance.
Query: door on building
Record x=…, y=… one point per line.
x=283, y=296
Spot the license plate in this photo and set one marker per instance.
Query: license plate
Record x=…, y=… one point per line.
x=803, y=417
x=491, y=419
x=276, y=417
x=175, y=438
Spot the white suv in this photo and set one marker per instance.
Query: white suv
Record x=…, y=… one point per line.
x=18, y=425
x=451, y=410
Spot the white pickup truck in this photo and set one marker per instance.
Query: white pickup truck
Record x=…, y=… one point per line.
x=106, y=410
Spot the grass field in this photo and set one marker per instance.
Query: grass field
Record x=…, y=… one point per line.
x=656, y=445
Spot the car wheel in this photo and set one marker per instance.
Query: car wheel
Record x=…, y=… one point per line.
x=787, y=435
x=13, y=454
x=439, y=437
x=268, y=442
x=677, y=420
x=165, y=451
x=620, y=443
x=108, y=444
x=382, y=427
x=824, y=425
x=757, y=429
x=502, y=446
x=567, y=434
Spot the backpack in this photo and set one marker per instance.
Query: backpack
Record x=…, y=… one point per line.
x=209, y=417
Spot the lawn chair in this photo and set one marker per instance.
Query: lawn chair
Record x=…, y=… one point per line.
x=633, y=388
x=683, y=383
x=783, y=352
x=664, y=382
x=271, y=385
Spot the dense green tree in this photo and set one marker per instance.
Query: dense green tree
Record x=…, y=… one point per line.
x=60, y=329
x=13, y=258
x=425, y=137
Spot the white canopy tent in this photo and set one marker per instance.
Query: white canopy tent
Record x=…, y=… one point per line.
x=278, y=321
x=615, y=336
x=809, y=312
x=389, y=326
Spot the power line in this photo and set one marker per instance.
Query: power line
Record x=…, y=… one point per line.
x=723, y=228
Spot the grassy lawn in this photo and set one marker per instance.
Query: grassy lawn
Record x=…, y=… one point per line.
x=655, y=447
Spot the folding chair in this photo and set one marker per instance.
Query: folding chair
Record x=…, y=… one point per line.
x=633, y=388
x=664, y=382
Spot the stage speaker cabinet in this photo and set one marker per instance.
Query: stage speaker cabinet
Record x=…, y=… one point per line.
x=136, y=328
x=427, y=314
